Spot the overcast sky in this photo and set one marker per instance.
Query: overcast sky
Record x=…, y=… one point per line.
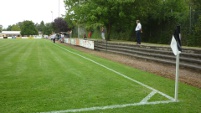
x=14, y=11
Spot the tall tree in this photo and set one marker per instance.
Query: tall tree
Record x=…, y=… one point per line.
x=28, y=28
x=48, y=29
x=60, y=25
x=117, y=14
x=9, y=28
x=40, y=27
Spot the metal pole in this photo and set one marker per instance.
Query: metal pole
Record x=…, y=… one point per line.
x=52, y=15
x=190, y=19
x=177, y=77
x=58, y=8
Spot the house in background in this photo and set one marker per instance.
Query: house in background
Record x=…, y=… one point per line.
x=6, y=34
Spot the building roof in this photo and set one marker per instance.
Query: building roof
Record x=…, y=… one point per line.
x=11, y=32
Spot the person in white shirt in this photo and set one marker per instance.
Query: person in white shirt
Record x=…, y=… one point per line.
x=103, y=33
x=138, y=30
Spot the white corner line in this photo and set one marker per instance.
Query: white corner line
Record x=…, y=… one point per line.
x=109, y=107
x=145, y=100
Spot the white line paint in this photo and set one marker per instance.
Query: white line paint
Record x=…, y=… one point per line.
x=145, y=100
x=108, y=107
x=165, y=95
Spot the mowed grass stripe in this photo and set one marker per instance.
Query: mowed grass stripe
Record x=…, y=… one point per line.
x=12, y=58
x=46, y=78
x=13, y=46
x=3, y=43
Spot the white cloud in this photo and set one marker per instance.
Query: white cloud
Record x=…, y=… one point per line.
x=14, y=11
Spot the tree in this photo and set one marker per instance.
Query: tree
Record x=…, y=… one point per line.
x=40, y=27
x=15, y=27
x=1, y=28
x=28, y=28
x=60, y=25
x=158, y=17
x=164, y=17
x=48, y=29
x=117, y=15
x=194, y=36
x=9, y=28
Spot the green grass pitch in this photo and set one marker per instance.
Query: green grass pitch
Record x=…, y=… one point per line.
x=40, y=76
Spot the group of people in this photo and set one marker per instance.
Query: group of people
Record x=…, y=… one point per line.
x=89, y=35
x=138, y=31
x=102, y=33
x=58, y=36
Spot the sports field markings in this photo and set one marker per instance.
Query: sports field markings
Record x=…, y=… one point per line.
x=109, y=107
x=142, y=102
x=145, y=100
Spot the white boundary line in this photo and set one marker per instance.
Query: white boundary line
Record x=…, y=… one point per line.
x=109, y=107
x=142, y=102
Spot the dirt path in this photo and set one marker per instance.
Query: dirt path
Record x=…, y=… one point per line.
x=186, y=76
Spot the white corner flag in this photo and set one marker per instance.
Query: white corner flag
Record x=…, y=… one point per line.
x=176, y=49
x=176, y=41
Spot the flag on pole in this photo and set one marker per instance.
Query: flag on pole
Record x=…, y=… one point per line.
x=176, y=49
x=176, y=41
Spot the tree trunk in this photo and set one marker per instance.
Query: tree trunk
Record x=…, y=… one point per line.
x=108, y=32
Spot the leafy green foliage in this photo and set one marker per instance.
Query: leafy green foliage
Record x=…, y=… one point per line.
x=15, y=28
x=158, y=17
x=41, y=26
x=28, y=28
x=1, y=28
x=46, y=29
x=194, y=36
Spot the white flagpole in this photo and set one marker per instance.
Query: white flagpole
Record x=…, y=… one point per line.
x=58, y=8
x=177, y=76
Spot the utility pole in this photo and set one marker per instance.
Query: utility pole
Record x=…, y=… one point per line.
x=190, y=16
x=52, y=15
x=58, y=8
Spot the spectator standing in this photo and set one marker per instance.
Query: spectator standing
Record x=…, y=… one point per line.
x=53, y=37
x=103, y=33
x=85, y=36
x=89, y=34
x=138, y=30
x=54, y=40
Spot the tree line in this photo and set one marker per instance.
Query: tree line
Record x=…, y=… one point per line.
x=158, y=18
x=28, y=27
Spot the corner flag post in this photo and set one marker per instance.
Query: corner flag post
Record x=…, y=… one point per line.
x=177, y=77
x=176, y=48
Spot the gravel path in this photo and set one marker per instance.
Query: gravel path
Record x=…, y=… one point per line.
x=187, y=76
